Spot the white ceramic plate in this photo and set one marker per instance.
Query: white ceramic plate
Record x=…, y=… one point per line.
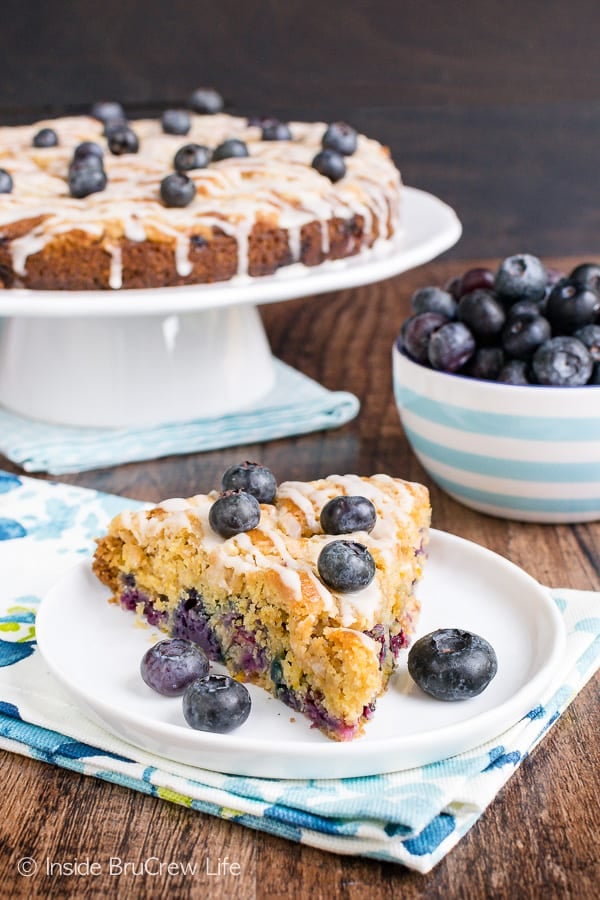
x=429, y=227
x=93, y=648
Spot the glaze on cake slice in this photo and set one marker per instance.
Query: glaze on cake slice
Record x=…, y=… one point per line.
x=256, y=602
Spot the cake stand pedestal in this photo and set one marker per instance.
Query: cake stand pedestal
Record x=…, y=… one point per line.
x=147, y=357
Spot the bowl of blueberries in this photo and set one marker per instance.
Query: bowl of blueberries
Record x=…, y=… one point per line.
x=497, y=381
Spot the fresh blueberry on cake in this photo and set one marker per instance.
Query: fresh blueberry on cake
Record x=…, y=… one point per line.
x=207, y=101
x=314, y=619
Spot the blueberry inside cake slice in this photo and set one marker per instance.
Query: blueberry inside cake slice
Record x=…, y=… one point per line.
x=303, y=588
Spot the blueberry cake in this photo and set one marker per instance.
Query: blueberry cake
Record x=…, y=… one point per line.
x=307, y=590
x=185, y=199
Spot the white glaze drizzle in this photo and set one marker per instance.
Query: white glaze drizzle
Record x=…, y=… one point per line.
x=275, y=185
x=292, y=555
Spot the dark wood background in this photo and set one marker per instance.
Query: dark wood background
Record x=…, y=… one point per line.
x=494, y=107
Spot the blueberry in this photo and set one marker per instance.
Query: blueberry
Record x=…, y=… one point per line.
x=169, y=666
x=46, y=137
x=562, y=362
x=453, y=286
x=435, y=300
x=276, y=131
x=177, y=190
x=85, y=179
x=331, y=164
x=416, y=334
x=253, y=478
x=233, y=512
x=340, y=137
x=216, y=703
x=586, y=275
x=346, y=566
x=343, y=514
x=114, y=125
x=525, y=309
x=122, y=139
x=108, y=111
x=521, y=277
x=192, y=156
x=482, y=314
x=590, y=336
x=6, y=182
x=260, y=121
x=230, y=148
x=486, y=363
x=206, y=101
x=514, y=371
x=451, y=346
x=522, y=335
x=176, y=121
x=478, y=278
x=452, y=664
x=571, y=306
x=87, y=149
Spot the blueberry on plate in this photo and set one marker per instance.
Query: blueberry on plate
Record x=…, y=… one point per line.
x=331, y=164
x=6, y=182
x=345, y=514
x=416, y=334
x=253, y=478
x=482, y=314
x=522, y=335
x=521, y=277
x=207, y=101
x=435, y=300
x=45, y=137
x=451, y=346
x=346, y=566
x=216, y=703
x=122, y=139
x=341, y=137
x=452, y=664
x=170, y=665
x=233, y=512
x=108, y=111
x=86, y=176
x=177, y=190
x=571, y=306
x=230, y=148
x=175, y=121
x=276, y=131
x=562, y=362
x=191, y=156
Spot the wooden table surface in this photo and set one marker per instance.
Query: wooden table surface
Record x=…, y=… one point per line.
x=537, y=839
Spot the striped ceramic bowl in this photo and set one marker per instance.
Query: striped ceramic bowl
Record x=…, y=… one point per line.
x=526, y=453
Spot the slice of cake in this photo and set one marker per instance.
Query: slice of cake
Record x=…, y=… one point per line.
x=311, y=596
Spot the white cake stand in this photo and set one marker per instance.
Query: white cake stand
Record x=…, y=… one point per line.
x=144, y=357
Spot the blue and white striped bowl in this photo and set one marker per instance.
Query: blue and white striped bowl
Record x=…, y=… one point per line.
x=525, y=453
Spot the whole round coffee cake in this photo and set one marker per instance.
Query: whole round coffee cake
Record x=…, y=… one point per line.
x=86, y=206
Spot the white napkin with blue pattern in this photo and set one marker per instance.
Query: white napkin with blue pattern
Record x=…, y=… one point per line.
x=412, y=817
x=295, y=405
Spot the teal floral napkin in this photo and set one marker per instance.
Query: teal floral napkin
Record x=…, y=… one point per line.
x=412, y=817
x=295, y=405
